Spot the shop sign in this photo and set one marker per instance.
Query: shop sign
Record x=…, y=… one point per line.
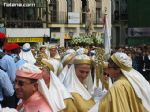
x=55, y=35
x=25, y=39
x=74, y=17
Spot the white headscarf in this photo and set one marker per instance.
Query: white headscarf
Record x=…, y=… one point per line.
x=65, y=61
x=57, y=56
x=56, y=65
x=73, y=84
x=69, y=51
x=139, y=83
x=81, y=51
x=63, y=74
x=26, y=54
x=56, y=91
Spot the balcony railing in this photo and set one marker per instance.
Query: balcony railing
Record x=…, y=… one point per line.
x=22, y=23
x=62, y=18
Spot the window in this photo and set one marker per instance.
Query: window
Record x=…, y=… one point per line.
x=53, y=9
x=98, y=15
x=22, y=13
x=69, y=5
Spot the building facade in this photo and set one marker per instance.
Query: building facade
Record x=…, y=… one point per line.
x=130, y=23
x=119, y=23
x=138, y=22
x=63, y=18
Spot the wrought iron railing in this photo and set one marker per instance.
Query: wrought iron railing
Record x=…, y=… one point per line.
x=60, y=18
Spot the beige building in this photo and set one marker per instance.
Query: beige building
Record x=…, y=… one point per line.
x=63, y=18
x=71, y=16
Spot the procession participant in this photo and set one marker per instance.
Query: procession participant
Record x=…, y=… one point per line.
x=66, y=62
x=54, y=52
x=26, y=54
x=13, y=49
x=61, y=99
x=29, y=88
x=79, y=83
x=57, y=66
x=42, y=52
x=129, y=92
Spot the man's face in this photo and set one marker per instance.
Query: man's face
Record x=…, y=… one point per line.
x=53, y=52
x=24, y=87
x=82, y=71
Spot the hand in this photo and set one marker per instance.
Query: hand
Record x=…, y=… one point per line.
x=98, y=94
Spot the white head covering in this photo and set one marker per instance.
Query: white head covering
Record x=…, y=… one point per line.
x=57, y=91
x=67, y=58
x=63, y=74
x=28, y=70
x=57, y=56
x=73, y=84
x=69, y=51
x=26, y=54
x=56, y=65
x=65, y=61
x=81, y=51
x=139, y=83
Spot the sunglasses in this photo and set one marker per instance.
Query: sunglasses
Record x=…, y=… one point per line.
x=21, y=83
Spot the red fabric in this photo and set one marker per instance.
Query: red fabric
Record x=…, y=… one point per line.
x=2, y=35
x=11, y=46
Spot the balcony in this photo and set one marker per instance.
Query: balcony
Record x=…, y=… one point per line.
x=62, y=18
x=24, y=24
x=118, y=16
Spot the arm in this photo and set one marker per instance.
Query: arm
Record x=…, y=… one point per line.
x=6, y=84
x=9, y=65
